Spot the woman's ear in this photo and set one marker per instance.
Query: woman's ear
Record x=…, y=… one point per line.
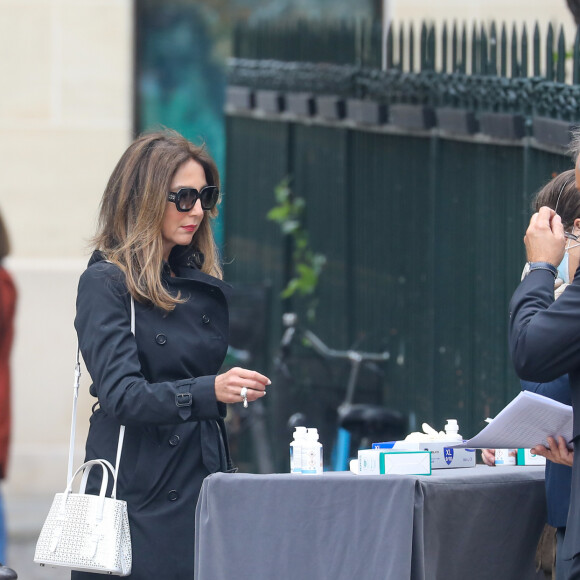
x=577, y=224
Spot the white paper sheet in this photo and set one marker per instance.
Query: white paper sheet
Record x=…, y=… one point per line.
x=525, y=422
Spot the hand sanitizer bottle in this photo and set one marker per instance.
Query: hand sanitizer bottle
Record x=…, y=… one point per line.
x=452, y=431
x=296, y=450
x=311, y=453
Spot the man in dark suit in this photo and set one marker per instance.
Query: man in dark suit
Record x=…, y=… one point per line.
x=544, y=338
x=560, y=194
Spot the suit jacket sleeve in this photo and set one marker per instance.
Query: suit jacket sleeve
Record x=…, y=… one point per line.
x=543, y=333
x=109, y=349
x=558, y=389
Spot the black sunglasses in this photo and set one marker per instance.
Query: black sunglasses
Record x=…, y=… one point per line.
x=186, y=197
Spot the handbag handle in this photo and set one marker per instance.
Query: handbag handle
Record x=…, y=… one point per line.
x=76, y=385
x=86, y=468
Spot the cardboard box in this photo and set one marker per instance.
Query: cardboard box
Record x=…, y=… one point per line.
x=388, y=462
x=442, y=456
x=525, y=457
x=506, y=456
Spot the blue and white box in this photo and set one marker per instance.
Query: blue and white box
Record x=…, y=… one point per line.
x=443, y=455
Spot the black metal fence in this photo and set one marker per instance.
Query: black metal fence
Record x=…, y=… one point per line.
x=418, y=188
x=453, y=48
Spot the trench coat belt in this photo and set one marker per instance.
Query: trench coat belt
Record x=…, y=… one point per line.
x=210, y=446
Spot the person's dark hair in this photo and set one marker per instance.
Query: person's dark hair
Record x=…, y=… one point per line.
x=561, y=195
x=4, y=239
x=132, y=210
x=574, y=146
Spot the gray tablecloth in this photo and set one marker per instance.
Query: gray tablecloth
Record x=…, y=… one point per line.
x=477, y=523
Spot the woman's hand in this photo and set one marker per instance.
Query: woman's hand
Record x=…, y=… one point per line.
x=488, y=456
x=229, y=385
x=557, y=453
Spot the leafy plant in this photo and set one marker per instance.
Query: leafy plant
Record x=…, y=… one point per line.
x=307, y=265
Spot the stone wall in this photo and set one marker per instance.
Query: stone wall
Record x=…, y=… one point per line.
x=65, y=118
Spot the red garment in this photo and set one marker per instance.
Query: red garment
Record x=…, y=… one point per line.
x=7, y=309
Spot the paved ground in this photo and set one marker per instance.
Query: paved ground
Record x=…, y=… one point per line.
x=20, y=554
x=24, y=517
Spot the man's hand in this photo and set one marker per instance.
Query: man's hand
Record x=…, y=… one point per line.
x=558, y=452
x=544, y=237
x=488, y=456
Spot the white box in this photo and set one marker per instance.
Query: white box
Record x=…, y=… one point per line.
x=525, y=457
x=442, y=455
x=388, y=462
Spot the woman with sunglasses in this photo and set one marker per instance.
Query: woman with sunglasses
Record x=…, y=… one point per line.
x=154, y=249
x=561, y=195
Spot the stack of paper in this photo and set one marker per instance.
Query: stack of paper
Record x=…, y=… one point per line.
x=525, y=422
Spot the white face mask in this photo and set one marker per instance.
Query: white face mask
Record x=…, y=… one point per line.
x=563, y=267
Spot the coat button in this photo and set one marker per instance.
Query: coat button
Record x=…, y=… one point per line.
x=172, y=495
x=160, y=339
x=174, y=440
x=205, y=319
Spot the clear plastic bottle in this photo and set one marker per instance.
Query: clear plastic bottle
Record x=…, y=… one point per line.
x=452, y=431
x=296, y=450
x=311, y=453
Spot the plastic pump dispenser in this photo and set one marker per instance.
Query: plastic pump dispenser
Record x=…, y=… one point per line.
x=452, y=431
x=296, y=450
x=311, y=453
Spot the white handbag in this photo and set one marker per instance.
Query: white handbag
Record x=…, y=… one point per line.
x=87, y=532
x=84, y=531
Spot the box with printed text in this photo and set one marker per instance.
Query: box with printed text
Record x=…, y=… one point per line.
x=442, y=455
x=526, y=457
x=389, y=462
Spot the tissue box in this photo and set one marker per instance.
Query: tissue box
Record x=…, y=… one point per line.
x=525, y=457
x=442, y=456
x=387, y=462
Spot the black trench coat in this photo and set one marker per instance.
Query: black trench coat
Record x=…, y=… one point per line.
x=160, y=385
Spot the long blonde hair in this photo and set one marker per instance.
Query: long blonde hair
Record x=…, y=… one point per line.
x=132, y=209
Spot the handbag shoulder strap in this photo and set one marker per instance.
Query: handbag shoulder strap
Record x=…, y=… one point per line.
x=74, y=417
x=77, y=381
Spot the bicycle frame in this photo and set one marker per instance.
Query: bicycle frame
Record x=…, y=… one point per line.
x=341, y=446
